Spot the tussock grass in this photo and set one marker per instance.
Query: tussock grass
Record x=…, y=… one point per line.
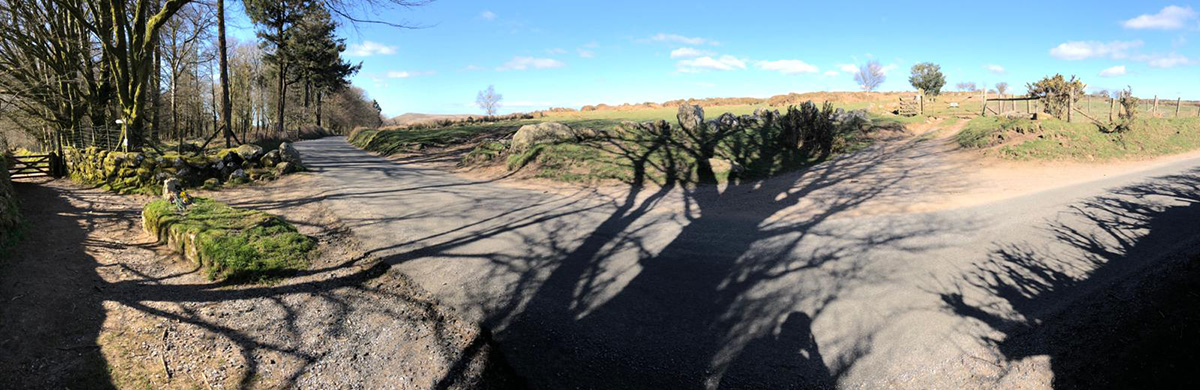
x=231, y=244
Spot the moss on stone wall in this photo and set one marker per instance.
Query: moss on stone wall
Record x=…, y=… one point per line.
x=144, y=172
x=231, y=244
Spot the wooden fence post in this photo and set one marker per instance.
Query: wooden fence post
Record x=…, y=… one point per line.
x=1155, y=108
x=984, y=102
x=1071, y=106
x=1178, y=102
x=1112, y=109
x=921, y=96
x=1029, y=107
x=1088, y=105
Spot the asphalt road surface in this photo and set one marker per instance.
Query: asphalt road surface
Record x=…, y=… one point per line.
x=801, y=281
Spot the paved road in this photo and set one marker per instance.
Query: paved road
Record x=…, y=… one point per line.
x=792, y=282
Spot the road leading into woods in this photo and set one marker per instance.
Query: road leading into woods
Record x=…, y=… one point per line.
x=806, y=280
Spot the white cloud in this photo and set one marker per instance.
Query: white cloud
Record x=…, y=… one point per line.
x=687, y=52
x=673, y=38
x=488, y=15
x=1165, y=61
x=472, y=68
x=586, y=53
x=1115, y=71
x=1079, y=50
x=831, y=73
x=995, y=69
x=1171, y=17
x=556, y=51
x=369, y=48
x=397, y=74
x=701, y=64
x=787, y=66
x=888, y=68
x=848, y=68
x=523, y=63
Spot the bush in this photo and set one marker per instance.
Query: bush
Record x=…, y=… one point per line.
x=1129, y=111
x=1056, y=93
x=231, y=244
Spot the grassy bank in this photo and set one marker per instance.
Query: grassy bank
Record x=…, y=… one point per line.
x=231, y=244
x=1020, y=139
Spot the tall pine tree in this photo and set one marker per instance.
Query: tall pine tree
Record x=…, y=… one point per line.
x=315, y=54
x=275, y=19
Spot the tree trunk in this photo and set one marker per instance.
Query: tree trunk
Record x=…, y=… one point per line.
x=282, y=85
x=318, y=108
x=226, y=110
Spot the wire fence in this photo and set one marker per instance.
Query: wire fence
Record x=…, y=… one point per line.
x=102, y=137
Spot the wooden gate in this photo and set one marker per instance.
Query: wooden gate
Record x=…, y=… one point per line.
x=49, y=165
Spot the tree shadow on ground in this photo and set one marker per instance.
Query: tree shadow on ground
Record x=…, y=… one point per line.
x=1095, y=301
x=56, y=302
x=51, y=308
x=714, y=295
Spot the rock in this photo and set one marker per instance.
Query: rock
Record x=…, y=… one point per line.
x=286, y=168
x=239, y=174
x=728, y=121
x=212, y=184
x=690, y=117
x=232, y=158
x=249, y=152
x=287, y=153
x=269, y=159
x=541, y=133
x=854, y=116
x=170, y=188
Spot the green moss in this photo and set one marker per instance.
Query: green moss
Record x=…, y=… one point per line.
x=232, y=244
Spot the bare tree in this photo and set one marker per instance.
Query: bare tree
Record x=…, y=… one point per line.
x=966, y=87
x=489, y=100
x=870, y=76
x=1001, y=87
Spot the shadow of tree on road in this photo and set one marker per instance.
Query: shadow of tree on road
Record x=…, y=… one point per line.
x=1065, y=300
x=57, y=298
x=644, y=298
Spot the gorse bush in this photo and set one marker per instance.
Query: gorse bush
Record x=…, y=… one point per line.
x=1056, y=93
x=1129, y=111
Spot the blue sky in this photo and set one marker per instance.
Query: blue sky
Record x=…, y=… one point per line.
x=541, y=54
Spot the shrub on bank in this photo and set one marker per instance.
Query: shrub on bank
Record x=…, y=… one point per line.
x=229, y=243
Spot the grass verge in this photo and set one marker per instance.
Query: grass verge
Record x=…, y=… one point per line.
x=1019, y=139
x=231, y=244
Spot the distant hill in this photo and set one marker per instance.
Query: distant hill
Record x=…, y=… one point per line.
x=412, y=118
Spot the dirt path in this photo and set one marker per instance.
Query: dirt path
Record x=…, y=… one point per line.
x=90, y=301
